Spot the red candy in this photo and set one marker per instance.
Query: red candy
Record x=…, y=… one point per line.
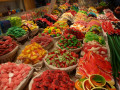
x=53, y=80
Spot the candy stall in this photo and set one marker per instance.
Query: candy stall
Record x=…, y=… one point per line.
x=61, y=45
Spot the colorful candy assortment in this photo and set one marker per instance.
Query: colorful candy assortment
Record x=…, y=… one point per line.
x=76, y=32
x=94, y=82
x=61, y=58
x=52, y=31
x=16, y=32
x=12, y=75
x=32, y=54
x=42, y=39
x=7, y=44
x=92, y=63
x=53, y=80
x=61, y=24
x=30, y=24
x=95, y=47
x=89, y=36
x=69, y=41
x=15, y=21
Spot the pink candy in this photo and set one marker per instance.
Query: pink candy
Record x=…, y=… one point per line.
x=19, y=73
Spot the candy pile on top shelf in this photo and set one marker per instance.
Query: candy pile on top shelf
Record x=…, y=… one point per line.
x=76, y=39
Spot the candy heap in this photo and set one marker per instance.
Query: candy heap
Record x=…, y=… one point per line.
x=62, y=58
x=69, y=41
x=89, y=36
x=94, y=82
x=43, y=22
x=32, y=53
x=80, y=25
x=92, y=63
x=15, y=21
x=61, y=24
x=95, y=29
x=52, y=31
x=16, y=32
x=50, y=18
x=111, y=27
x=6, y=45
x=53, y=80
x=12, y=75
x=75, y=32
x=95, y=47
x=30, y=24
x=42, y=39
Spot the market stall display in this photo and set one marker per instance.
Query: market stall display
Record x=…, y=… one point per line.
x=71, y=37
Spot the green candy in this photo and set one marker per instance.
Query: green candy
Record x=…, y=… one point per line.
x=49, y=31
x=16, y=32
x=58, y=35
x=55, y=27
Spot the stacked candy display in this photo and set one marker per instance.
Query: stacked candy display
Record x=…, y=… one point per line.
x=43, y=39
x=32, y=54
x=52, y=31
